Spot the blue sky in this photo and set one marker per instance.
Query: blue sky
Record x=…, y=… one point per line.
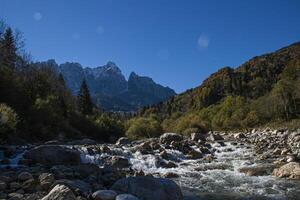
x=176, y=42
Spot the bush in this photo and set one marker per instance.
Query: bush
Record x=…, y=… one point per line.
x=190, y=123
x=8, y=120
x=110, y=127
x=139, y=128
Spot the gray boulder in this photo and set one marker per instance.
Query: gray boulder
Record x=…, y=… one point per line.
x=168, y=138
x=104, y=195
x=53, y=155
x=198, y=136
x=76, y=185
x=60, y=192
x=123, y=141
x=126, y=197
x=290, y=170
x=149, y=188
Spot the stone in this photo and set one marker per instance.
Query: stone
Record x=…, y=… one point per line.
x=15, y=196
x=123, y=141
x=289, y=170
x=53, y=155
x=104, y=195
x=198, y=136
x=87, y=169
x=149, y=188
x=77, y=186
x=167, y=138
x=255, y=171
x=170, y=175
x=239, y=136
x=29, y=186
x=46, y=180
x=215, y=137
x=119, y=162
x=193, y=154
x=24, y=176
x=14, y=186
x=60, y=192
x=2, y=185
x=126, y=197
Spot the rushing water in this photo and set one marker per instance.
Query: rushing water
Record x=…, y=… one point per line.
x=216, y=179
x=204, y=179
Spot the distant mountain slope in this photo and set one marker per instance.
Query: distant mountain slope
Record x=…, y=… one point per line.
x=109, y=88
x=259, y=77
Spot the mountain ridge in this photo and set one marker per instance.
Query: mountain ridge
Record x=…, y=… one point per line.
x=109, y=87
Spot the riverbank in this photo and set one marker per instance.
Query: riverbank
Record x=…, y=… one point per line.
x=259, y=164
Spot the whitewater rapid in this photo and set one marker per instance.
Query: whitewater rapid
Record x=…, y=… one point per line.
x=217, y=178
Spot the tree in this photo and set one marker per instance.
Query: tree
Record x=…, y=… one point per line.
x=8, y=49
x=84, y=101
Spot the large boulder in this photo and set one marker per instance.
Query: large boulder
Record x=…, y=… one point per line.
x=126, y=197
x=24, y=176
x=290, y=170
x=53, y=155
x=60, y=192
x=198, y=136
x=104, y=195
x=149, y=188
x=215, y=137
x=123, y=141
x=168, y=138
x=46, y=180
x=79, y=186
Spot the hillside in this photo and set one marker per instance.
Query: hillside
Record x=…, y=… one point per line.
x=264, y=89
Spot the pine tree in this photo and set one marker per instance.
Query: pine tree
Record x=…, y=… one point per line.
x=9, y=49
x=84, y=101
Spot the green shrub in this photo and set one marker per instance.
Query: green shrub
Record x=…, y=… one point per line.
x=142, y=127
x=8, y=120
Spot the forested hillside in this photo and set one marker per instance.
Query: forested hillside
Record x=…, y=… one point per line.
x=35, y=104
x=265, y=89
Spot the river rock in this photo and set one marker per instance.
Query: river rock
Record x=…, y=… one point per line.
x=290, y=170
x=24, y=176
x=15, y=196
x=170, y=175
x=215, y=137
x=76, y=185
x=104, y=195
x=123, y=141
x=167, y=138
x=60, y=192
x=53, y=155
x=255, y=171
x=126, y=197
x=198, y=136
x=46, y=180
x=149, y=188
x=2, y=186
x=119, y=162
x=239, y=136
x=14, y=186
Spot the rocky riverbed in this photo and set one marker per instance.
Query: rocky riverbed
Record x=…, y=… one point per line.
x=259, y=164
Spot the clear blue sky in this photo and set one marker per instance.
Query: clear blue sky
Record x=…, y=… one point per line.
x=176, y=42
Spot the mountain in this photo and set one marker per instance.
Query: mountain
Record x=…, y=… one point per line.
x=262, y=90
x=109, y=87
